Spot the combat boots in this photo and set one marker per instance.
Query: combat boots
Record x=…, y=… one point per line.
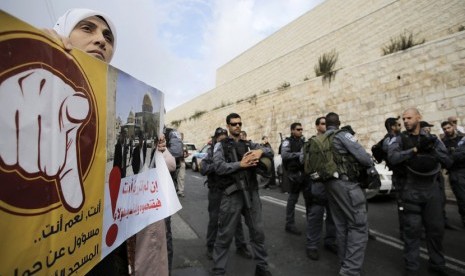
x=259, y=271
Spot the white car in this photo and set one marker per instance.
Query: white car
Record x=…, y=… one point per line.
x=191, y=149
x=386, y=187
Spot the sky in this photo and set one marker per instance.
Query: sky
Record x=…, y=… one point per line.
x=175, y=45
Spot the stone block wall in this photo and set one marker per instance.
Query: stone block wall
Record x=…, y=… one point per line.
x=430, y=76
x=357, y=31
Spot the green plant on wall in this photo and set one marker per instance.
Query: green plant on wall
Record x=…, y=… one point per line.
x=223, y=104
x=197, y=114
x=401, y=42
x=326, y=64
x=284, y=85
x=176, y=123
x=252, y=99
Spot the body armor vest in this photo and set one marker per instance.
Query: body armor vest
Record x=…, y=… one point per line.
x=241, y=147
x=422, y=164
x=294, y=165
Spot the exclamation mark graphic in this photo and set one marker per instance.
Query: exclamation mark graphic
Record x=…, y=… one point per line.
x=114, y=182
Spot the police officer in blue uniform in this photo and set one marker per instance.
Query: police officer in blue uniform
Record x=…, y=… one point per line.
x=214, y=201
x=455, y=144
x=420, y=155
x=317, y=205
x=237, y=159
x=346, y=198
x=291, y=154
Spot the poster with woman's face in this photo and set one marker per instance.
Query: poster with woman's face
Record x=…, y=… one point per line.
x=62, y=114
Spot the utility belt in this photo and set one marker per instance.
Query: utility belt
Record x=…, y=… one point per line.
x=345, y=177
x=231, y=189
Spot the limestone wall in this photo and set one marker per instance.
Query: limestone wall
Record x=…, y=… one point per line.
x=356, y=29
x=430, y=76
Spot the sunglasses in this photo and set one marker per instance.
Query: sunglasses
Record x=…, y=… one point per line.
x=454, y=122
x=323, y=124
x=235, y=124
x=299, y=129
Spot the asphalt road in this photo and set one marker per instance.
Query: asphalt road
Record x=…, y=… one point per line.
x=287, y=252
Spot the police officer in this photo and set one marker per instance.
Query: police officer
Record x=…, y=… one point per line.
x=233, y=159
x=455, y=144
x=380, y=151
x=347, y=201
x=420, y=156
x=317, y=204
x=291, y=154
x=214, y=201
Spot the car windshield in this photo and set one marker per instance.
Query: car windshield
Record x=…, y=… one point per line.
x=205, y=149
x=190, y=147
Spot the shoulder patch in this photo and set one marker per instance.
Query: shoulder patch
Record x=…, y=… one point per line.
x=350, y=137
x=461, y=142
x=392, y=140
x=285, y=143
x=217, y=146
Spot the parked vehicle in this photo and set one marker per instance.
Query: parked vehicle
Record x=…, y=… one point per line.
x=386, y=182
x=191, y=150
x=198, y=156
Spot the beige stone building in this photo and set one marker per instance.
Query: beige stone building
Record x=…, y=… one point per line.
x=273, y=83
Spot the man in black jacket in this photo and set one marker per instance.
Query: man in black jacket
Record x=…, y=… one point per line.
x=291, y=153
x=420, y=156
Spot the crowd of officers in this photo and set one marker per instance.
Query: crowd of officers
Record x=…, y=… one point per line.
x=416, y=157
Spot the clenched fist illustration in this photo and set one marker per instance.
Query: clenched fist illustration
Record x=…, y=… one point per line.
x=40, y=118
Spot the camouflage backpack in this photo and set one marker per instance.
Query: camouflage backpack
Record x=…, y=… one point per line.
x=319, y=158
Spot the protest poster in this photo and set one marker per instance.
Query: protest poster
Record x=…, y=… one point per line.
x=67, y=119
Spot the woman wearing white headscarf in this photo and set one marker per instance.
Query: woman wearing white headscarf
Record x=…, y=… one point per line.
x=87, y=30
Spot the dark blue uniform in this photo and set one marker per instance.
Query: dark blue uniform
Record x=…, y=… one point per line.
x=422, y=196
x=348, y=204
x=456, y=148
x=233, y=204
x=291, y=154
x=214, y=202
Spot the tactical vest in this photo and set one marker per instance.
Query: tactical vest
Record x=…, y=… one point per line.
x=294, y=165
x=451, y=145
x=422, y=164
x=346, y=162
x=212, y=178
x=241, y=147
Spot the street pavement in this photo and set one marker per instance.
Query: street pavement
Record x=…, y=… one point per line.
x=287, y=252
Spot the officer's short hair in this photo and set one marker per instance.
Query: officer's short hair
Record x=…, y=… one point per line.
x=390, y=122
x=232, y=116
x=443, y=124
x=318, y=120
x=332, y=119
x=294, y=125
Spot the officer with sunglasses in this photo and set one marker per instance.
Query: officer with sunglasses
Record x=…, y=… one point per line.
x=235, y=162
x=291, y=153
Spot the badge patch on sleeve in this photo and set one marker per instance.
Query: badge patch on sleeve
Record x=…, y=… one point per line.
x=216, y=147
x=350, y=137
x=393, y=139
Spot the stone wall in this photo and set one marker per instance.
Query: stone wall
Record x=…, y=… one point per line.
x=430, y=76
x=357, y=32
